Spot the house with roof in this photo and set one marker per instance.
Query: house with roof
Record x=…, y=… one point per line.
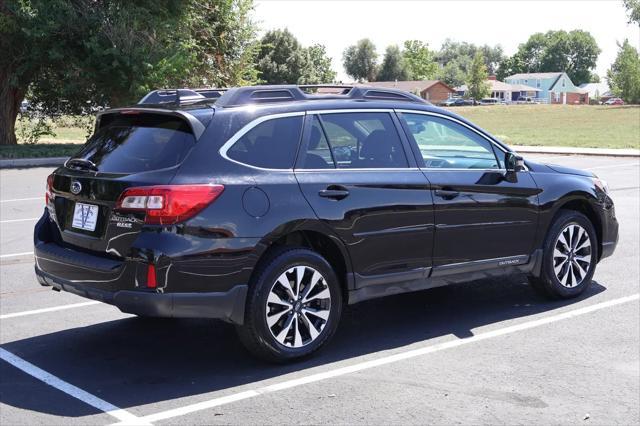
x=434, y=91
x=505, y=91
x=596, y=90
x=554, y=87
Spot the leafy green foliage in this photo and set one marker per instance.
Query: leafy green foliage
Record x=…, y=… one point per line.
x=624, y=74
x=477, y=80
x=283, y=60
x=633, y=8
x=393, y=66
x=317, y=67
x=419, y=60
x=456, y=58
x=575, y=52
x=361, y=60
x=74, y=56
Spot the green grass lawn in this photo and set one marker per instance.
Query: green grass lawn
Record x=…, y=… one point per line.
x=592, y=126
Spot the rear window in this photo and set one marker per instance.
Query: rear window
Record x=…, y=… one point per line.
x=271, y=144
x=138, y=143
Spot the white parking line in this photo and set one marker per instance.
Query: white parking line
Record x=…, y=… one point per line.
x=20, y=220
x=52, y=309
x=22, y=199
x=227, y=399
x=123, y=416
x=24, y=253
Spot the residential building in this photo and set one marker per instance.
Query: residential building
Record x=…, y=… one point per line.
x=500, y=90
x=595, y=90
x=555, y=87
x=434, y=91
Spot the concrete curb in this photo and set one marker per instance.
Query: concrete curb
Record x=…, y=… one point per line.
x=15, y=163
x=567, y=150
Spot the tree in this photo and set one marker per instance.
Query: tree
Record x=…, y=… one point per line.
x=624, y=74
x=575, y=52
x=419, y=60
x=317, y=68
x=452, y=74
x=393, y=66
x=461, y=55
x=633, y=8
x=361, y=60
x=477, y=85
x=281, y=59
x=71, y=57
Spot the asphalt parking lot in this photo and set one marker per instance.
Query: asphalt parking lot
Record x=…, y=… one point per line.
x=484, y=352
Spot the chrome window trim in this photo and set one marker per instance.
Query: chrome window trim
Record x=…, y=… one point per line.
x=394, y=169
x=249, y=126
x=246, y=129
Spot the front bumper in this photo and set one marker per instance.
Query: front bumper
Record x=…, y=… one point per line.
x=227, y=306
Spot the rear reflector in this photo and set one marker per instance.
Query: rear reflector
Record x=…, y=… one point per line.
x=151, y=276
x=48, y=194
x=168, y=204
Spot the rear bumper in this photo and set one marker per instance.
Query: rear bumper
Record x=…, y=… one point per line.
x=227, y=306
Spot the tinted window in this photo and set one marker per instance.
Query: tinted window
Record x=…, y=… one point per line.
x=317, y=154
x=364, y=140
x=271, y=144
x=446, y=144
x=138, y=143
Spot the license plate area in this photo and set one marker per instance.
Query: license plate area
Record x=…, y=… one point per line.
x=85, y=217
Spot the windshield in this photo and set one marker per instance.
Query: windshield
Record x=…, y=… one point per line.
x=138, y=143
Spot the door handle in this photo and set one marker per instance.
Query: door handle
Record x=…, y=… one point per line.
x=334, y=192
x=447, y=194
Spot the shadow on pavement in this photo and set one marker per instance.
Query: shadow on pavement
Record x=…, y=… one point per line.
x=131, y=362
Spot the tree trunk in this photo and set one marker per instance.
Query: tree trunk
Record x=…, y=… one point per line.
x=10, y=98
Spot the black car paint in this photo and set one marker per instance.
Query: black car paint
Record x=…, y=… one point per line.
x=396, y=231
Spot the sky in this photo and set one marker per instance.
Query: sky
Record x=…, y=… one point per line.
x=338, y=24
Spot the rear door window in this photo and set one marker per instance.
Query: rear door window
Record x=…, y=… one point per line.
x=271, y=144
x=364, y=140
x=138, y=143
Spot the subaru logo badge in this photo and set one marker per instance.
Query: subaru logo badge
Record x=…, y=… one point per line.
x=76, y=187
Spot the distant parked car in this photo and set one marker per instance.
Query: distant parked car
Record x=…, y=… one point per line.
x=24, y=106
x=492, y=101
x=614, y=101
x=457, y=102
x=527, y=100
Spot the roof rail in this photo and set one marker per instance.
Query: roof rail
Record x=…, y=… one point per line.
x=239, y=96
x=170, y=96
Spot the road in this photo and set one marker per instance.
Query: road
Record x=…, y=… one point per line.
x=485, y=352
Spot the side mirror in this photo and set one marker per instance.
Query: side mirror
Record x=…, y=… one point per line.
x=514, y=163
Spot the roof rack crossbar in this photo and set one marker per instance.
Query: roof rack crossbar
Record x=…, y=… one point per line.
x=264, y=94
x=238, y=96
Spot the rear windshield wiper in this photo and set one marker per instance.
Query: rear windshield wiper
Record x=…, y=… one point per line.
x=82, y=163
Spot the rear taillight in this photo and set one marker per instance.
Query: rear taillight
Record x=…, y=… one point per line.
x=48, y=195
x=168, y=204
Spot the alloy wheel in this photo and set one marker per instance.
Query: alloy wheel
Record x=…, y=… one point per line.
x=298, y=306
x=572, y=255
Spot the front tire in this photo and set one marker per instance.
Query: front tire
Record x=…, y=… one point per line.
x=293, y=306
x=570, y=256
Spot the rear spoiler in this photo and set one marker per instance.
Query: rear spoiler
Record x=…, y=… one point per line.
x=196, y=125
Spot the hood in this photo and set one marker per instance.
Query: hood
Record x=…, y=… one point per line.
x=554, y=168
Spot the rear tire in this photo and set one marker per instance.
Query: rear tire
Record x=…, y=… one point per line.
x=570, y=255
x=293, y=306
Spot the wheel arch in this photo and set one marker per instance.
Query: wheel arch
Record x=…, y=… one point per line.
x=314, y=236
x=582, y=203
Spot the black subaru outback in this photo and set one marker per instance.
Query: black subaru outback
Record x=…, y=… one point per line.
x=273, y=207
